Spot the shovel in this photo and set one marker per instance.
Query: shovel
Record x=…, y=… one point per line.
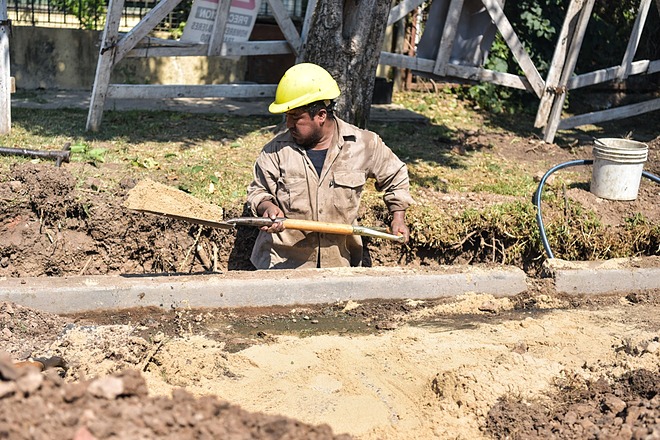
x=155, y=198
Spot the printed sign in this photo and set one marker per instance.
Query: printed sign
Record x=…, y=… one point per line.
x=199, y=27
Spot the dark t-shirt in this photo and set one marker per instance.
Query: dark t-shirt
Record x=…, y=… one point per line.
x=317, y=157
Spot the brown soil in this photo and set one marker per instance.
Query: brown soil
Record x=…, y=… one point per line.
x=439, y=369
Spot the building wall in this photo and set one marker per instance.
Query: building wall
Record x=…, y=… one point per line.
x=65, y=59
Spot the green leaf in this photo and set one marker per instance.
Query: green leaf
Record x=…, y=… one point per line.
x=78, y=148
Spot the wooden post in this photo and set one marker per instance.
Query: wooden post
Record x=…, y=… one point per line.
x=411, y=48
x=311, y=7
x=560, y=95
x=5, y=77
x=114, y=49
x=557, y=63
x=219, y=27
x=633, y=42
x=105, y=63
x=286, y=25
x=509, y=34
x=448, y=37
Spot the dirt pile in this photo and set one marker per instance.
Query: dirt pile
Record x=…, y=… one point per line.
x=43, y=406
x=626, y=408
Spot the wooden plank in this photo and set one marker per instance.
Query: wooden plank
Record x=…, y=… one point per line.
x=654, y=66
x=200, y=50
x=571, y=59
x=633, y=42
x=519, y=53
x=463, y=72
x=248, y=48
x=611, y=114
x=484, y=75
x=448, y=37
x=610, y=73
x=5, y=75
x=146, y=25
x=277, y=47
x=406, y=62
x=219, y=28
x=150, y=42
x=307, y=22
x=286, y=25
x=105, y=64
x=309, y=13
x=557, y=64
x=402, y=9
x=157, y=91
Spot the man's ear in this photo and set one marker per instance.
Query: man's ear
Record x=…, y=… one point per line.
x=322, y=115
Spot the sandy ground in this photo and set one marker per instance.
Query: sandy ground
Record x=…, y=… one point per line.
x=432, y=372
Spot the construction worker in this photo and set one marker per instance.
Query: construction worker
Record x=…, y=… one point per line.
x=316, y=170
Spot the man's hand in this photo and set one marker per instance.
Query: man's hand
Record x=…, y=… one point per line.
x=399, y=225
x=270, y=210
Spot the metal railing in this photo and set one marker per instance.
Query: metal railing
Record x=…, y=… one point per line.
x=90, y=14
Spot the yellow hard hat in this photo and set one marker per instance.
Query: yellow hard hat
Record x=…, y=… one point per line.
x=303, y=84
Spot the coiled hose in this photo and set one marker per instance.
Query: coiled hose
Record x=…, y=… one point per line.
x=537, y=195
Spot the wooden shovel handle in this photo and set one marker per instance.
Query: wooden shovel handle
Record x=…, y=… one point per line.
x=314, y=226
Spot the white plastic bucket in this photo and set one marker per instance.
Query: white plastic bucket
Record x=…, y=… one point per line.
x=618, y=166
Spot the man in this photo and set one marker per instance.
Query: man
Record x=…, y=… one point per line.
x=316, y=171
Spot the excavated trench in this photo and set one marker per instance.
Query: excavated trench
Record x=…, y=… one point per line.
x=438, y=367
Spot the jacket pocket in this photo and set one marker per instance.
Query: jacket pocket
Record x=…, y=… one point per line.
x=348, y=189
x=292, y=194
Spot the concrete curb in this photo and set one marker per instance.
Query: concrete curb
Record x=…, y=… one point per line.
x=610, y=276
x=319, y=286
x=238, y=289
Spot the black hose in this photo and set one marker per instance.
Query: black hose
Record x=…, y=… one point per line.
x=653, y=177
x=537, y=195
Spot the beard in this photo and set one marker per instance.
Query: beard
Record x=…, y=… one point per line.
x=307, y=142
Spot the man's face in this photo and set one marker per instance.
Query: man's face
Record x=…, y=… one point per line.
x=304, y=129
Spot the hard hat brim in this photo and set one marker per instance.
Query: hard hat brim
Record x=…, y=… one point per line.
x=276, y=108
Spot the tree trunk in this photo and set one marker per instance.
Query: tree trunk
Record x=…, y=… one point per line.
x=345, y=37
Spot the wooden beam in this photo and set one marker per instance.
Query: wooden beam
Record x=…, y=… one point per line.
x=654, y=66
x=157, y=91
x=307, y=22
x=402, y=9
x=610, y=114
x=105, y=64
x=519, y=53
x=448, y=36
x=248, y=48
x=146, y=25
x=633, y=42
x=286, y=25
x=309, y=12
x=219, y=28
x=463, y=72
x=5, y=75
x=608, y=74
x=573, y=52
x=557, y=63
